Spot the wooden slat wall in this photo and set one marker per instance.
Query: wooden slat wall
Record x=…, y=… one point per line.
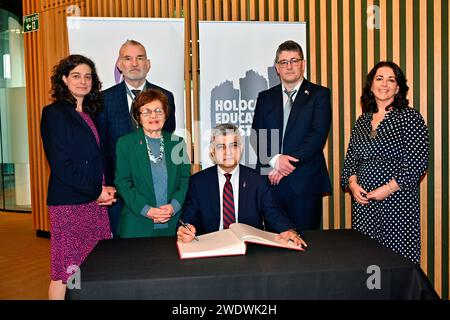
x=323, y=75
x=446, y=137
x=342, y=48
x=423, y=87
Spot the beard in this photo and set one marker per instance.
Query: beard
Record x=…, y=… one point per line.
x=135, y=75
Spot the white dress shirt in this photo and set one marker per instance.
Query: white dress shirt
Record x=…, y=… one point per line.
x=235, y=184
x=273, y=161
x=130, y=96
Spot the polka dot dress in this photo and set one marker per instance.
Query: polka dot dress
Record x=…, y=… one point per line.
x=398, y=150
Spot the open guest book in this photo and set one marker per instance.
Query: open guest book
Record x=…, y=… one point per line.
x=230, y=242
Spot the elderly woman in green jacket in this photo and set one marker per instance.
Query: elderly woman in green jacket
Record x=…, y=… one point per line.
x=152, y=171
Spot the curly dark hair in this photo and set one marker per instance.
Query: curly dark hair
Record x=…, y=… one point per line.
x=148, y=96
x=92, y=103
x=368, y=102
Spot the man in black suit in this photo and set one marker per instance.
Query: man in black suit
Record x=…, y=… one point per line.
x=290, y=128
x=116, y=119
x=229, y=192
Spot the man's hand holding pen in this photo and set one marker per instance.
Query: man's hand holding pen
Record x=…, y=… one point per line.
x=186, y=232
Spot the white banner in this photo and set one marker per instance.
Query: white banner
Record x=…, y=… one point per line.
x=100, y=40
x=236, y=63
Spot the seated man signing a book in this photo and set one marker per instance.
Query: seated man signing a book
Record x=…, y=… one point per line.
x=229, y=192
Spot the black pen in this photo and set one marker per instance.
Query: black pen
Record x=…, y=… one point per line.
x=186, y=226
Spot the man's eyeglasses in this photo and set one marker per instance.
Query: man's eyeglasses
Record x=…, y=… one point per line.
x=294, y=62
x=147, y=113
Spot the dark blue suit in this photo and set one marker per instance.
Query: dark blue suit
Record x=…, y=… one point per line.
x=113, y=123
x=307, y=129
x=255, y=206
x=73, y=154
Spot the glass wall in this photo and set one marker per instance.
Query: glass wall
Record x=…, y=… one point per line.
x=15, y=168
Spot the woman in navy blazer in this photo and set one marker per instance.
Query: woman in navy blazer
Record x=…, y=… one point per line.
x=76, y=196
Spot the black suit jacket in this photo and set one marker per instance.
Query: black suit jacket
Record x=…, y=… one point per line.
x=256, y=204
x=114, y=122
x=306, y=133
x=73, y=155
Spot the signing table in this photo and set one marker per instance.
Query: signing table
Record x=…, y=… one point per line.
x=338, y=264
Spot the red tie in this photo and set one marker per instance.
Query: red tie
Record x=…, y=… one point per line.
x=228, y=203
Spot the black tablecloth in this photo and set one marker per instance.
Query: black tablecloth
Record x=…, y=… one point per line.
x=334, y=266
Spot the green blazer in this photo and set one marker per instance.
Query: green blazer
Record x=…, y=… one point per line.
x=134, y=183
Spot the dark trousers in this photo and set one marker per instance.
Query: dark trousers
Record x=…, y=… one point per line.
x=114, y=216
x=304, y=211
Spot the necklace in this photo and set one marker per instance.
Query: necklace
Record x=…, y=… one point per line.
x=161, y=151
x=373, y=132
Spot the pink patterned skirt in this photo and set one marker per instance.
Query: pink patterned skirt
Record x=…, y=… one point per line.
x=75, y=230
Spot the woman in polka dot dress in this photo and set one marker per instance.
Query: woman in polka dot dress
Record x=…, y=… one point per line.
x=386, y=158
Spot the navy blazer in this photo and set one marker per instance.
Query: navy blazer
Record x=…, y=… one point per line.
x=114, y=122
x=73, y=155
x=306, y=133
x=256, y=204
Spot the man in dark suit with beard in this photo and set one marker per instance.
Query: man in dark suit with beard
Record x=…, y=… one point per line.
x=116, y=119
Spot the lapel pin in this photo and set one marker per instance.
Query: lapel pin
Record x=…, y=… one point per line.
x=244, y=184
x=140, y=141
x=307, y=92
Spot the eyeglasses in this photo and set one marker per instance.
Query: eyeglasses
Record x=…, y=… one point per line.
x=294, y=62
x=221, y=146
x=147, y=113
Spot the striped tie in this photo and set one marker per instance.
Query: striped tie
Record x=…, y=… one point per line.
x=228, y=203
x=287, y=110
x=134, y=123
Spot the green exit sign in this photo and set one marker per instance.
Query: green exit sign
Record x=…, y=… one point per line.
x=31, y=22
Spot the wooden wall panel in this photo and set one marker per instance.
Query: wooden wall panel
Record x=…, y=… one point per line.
x=311, y=55
x=323, y=52
x=437, y=126
x=335, y=168
x=342, y=47
x=446, y=174
x=346, y=94
x=423, y=65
